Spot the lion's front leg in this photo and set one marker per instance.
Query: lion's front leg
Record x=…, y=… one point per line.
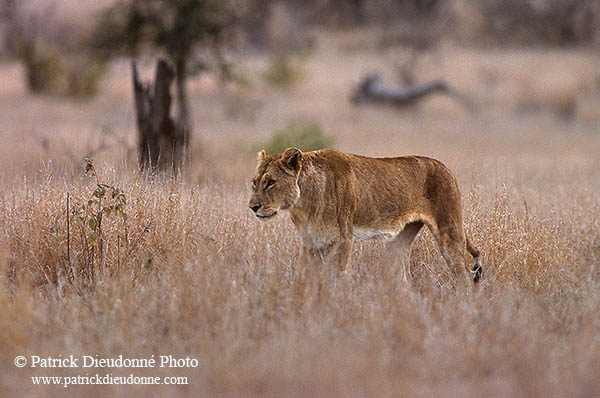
x=309, y=272
x=309, y=260
x=336, y=253
x=310, y=257
x=342, y=255
x=302, y=258
x=302, y=264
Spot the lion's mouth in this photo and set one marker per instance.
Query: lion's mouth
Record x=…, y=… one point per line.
x=265, y=216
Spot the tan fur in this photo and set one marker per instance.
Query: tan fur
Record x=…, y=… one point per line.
x=336, y=198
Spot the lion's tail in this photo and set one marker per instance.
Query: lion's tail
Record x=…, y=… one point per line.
x=472, y=249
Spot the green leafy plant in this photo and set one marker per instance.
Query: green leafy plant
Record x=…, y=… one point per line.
x=105, y=201
x=44, y=69
x=83, y=76
x=282, y=71
x=308, y=137
x=48, y=71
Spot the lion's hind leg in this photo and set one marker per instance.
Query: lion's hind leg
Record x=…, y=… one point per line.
x=453, y=246
x=401, y=248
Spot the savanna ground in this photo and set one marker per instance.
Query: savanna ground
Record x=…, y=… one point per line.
x=190, y=271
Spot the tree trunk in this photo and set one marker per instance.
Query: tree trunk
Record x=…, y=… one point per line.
x=12, y=32
x=183, y=119
x=160, y=145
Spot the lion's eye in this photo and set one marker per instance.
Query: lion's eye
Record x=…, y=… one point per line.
x=269, y=184
x=253, y=184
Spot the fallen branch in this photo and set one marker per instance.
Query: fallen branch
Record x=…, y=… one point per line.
x=370, y=90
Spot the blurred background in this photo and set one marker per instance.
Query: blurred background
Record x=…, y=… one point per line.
x=519, y=80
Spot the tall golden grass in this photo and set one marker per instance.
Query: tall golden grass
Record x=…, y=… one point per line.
x=190, y=272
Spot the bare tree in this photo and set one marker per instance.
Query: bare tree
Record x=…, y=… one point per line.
x=160, y=141
x=177, y=28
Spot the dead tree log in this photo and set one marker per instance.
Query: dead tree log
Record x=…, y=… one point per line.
x=370, y=90
x=161, y=143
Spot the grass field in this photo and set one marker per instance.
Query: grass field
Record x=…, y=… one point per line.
x=190, y=272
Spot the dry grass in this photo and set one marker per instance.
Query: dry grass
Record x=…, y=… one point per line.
x=191, y=273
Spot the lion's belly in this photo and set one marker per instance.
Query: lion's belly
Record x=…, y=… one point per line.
x=318, y=236
x=377, y=234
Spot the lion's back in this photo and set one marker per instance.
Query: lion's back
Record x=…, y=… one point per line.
x=390, y=190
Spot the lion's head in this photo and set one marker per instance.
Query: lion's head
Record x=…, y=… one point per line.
x=275, y=184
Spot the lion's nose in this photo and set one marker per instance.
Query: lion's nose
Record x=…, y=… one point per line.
x=255, y=208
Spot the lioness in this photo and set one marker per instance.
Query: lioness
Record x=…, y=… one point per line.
x=335, y=198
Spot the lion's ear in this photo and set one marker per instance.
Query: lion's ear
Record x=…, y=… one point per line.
x=292, y=157
x=263, y=155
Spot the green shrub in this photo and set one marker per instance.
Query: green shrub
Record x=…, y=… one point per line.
x=308, y=137
x=83, y=77
x=49, y=72
x=44, y=70
x=282, y=72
